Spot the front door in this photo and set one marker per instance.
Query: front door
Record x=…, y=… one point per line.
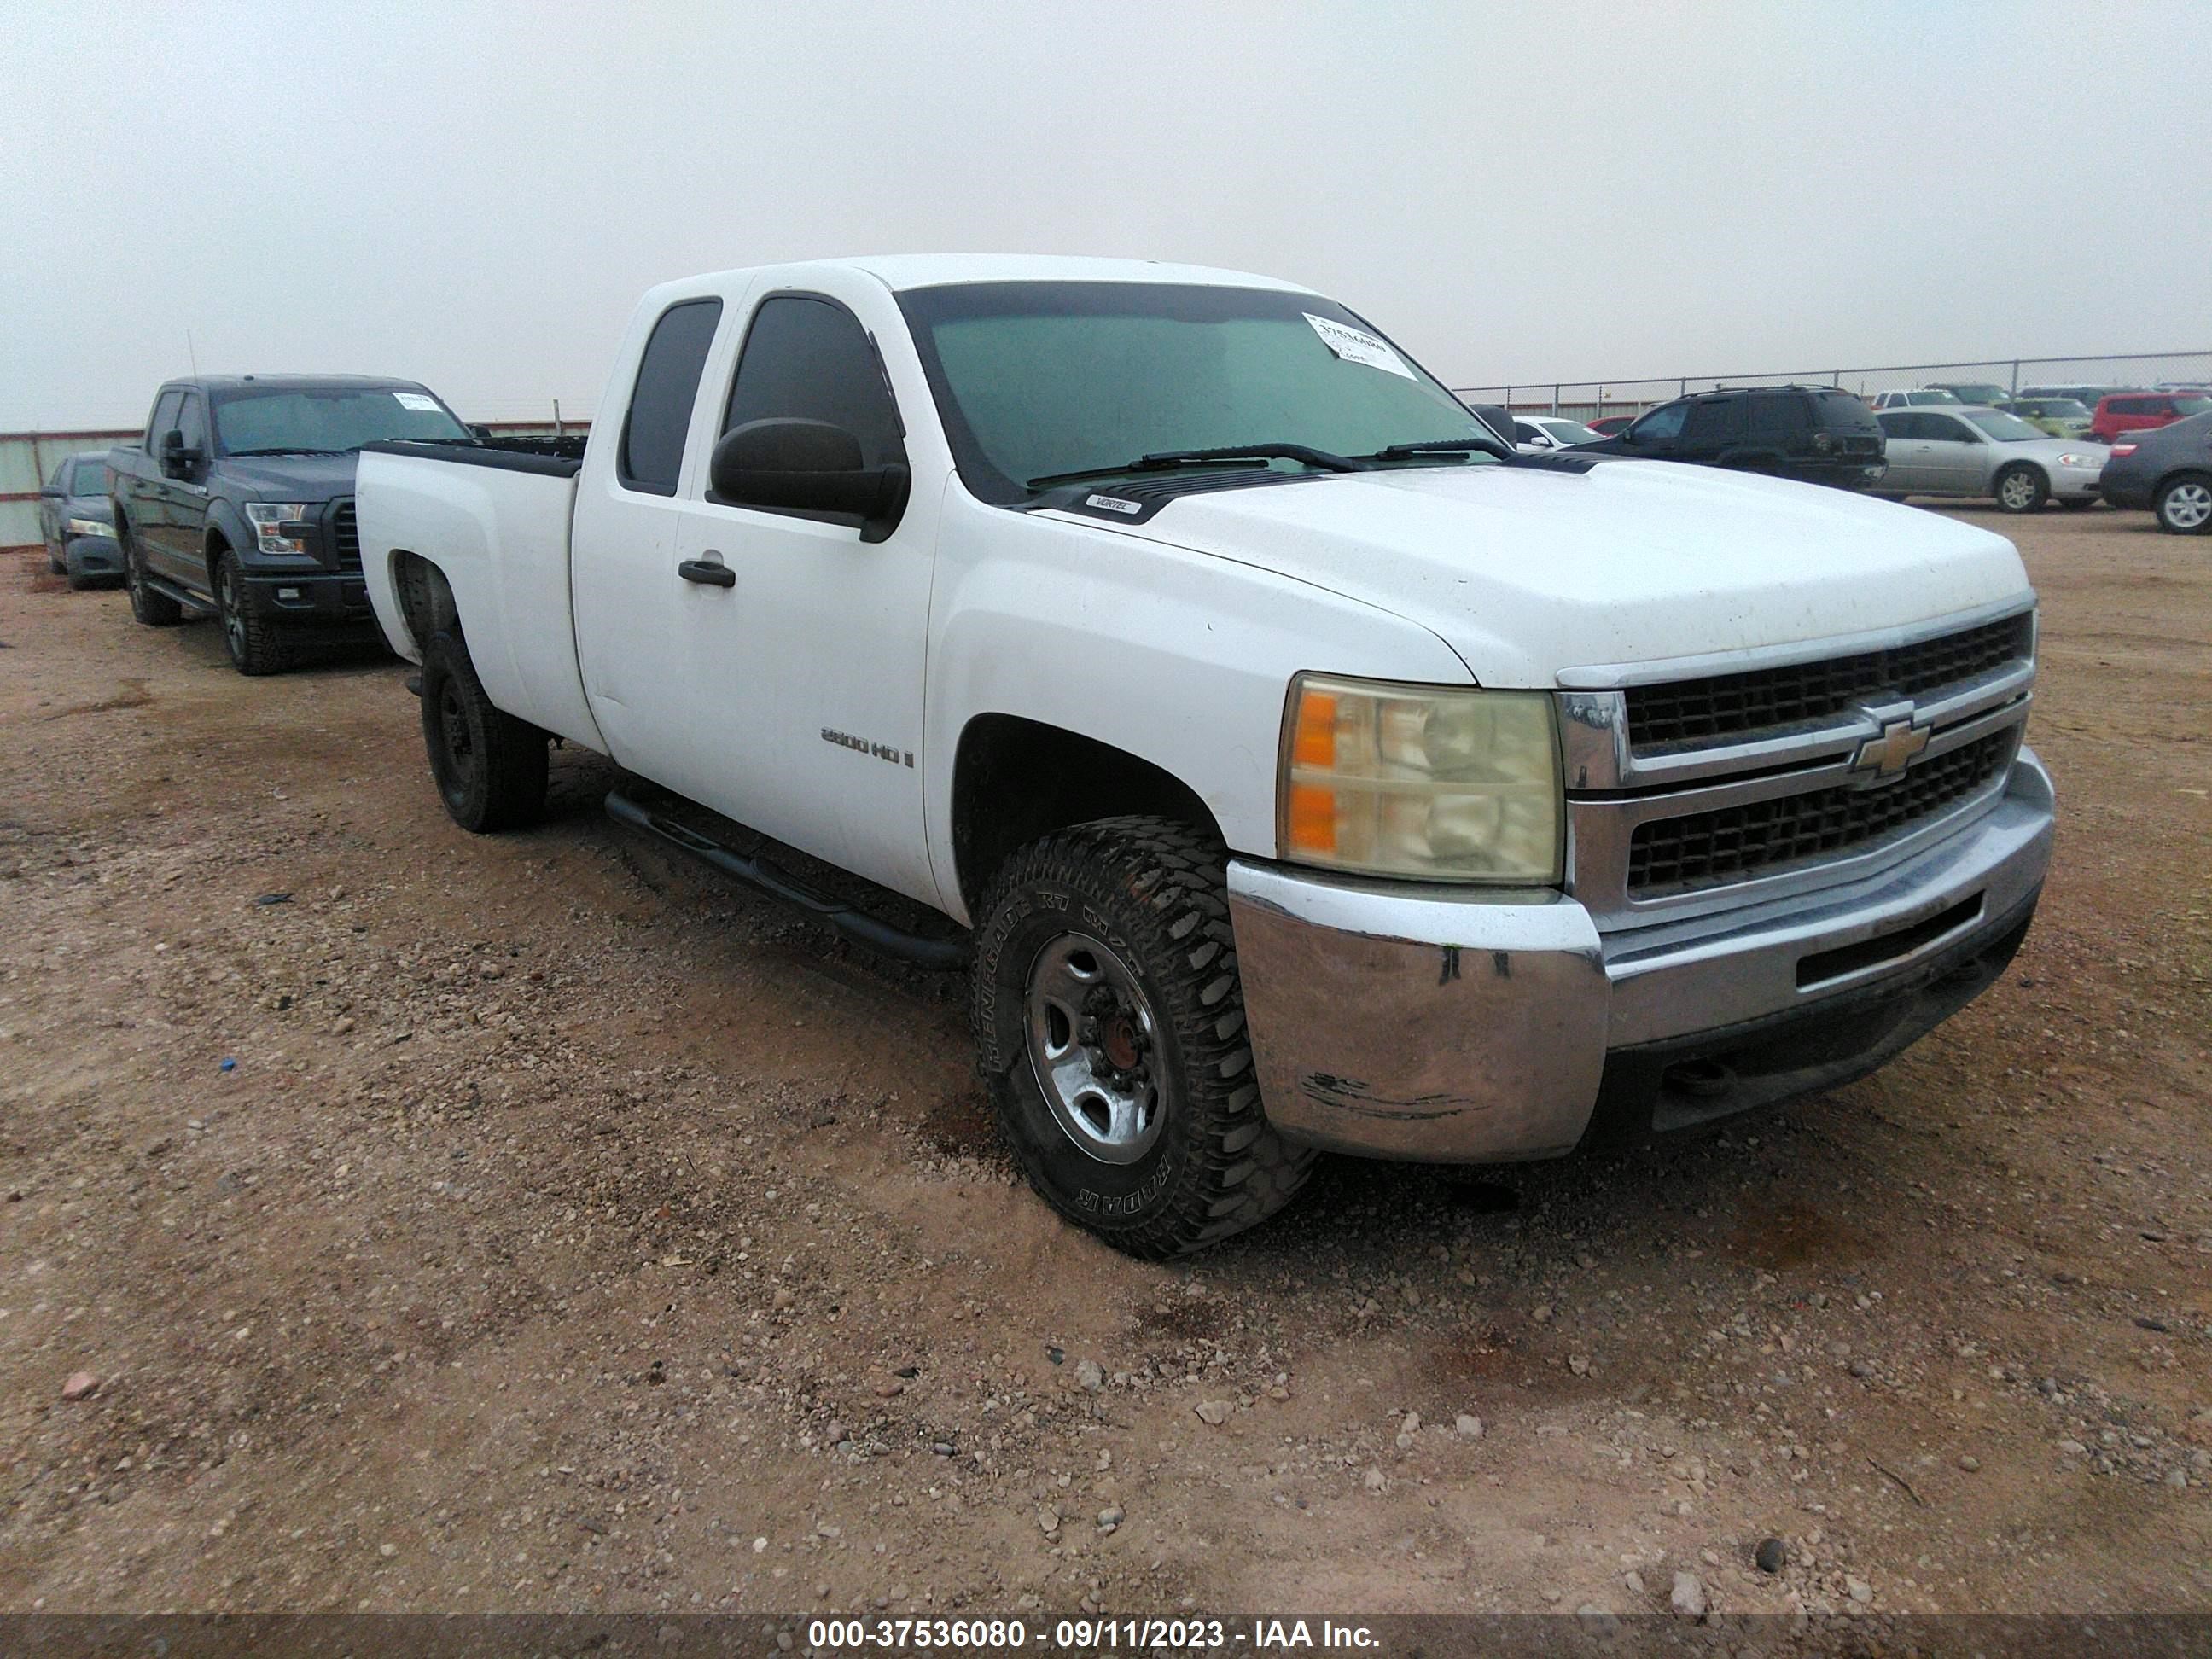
x=803, y=675
x=175, y=548
x=1955, y=455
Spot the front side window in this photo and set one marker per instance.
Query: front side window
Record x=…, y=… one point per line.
x=1661, y=425
x=327, y=421
x=650, y=457
x=810, y=359
x=192, y=421
x=165, y=419
x=1039, y=381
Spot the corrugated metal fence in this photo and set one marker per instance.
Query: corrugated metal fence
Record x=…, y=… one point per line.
x=28, y=459
x=1590, y=400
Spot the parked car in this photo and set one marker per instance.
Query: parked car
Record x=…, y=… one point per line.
x=1816, y=435
x=1987, y=393
x=2057, y=417
x=1540, y=434
x=2085, y=394
x=1230, y=691
x=1926, y=397
x=2169, y=470
x=77, y=523
x=2143, y=411
x=1975, y=451
x=239, y=502
x=1606, y=425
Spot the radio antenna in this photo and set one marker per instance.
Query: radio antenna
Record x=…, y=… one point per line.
x=190, y=352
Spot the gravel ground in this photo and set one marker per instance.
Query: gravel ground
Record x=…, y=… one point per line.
x=572, y=1231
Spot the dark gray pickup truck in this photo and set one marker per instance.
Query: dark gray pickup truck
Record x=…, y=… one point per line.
x=239, y=502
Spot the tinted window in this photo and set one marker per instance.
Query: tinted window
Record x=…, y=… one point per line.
x=651, y=456
x=807, y=359
x=1661, y=425
x=165, y=419
x=1780, y=420
x=330, y=420
x=1899, y=423
x=1718, y=421
x=192, y=421
x=2131, y=406
x=1841, y=408
x=1945, y=429
x=1525, y=434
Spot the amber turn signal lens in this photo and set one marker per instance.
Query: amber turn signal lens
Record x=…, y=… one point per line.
x=1312, y=819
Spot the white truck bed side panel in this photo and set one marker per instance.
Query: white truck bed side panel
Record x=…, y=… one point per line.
x=501, y=538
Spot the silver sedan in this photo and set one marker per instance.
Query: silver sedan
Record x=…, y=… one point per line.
x=1986, y=453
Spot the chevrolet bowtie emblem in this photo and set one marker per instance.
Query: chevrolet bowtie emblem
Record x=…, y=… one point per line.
x=1888, y=755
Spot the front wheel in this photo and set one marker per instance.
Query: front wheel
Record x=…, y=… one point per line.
x=2021, y=489
x=56, y=564
x=490, y=768
x=1110, y=1022
x=255, y=644
x=2184, y=505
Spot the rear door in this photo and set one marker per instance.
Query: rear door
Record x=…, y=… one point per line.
x=805, y=675
x=1715, y=429
x=1910, y=472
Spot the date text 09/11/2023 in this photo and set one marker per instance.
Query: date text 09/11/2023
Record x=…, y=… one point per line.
x=1090, y=1635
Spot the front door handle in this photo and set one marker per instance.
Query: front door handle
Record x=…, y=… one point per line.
x=706, y=573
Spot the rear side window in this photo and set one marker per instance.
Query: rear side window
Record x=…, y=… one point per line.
x=1780, y=420
x=651, y=457
x=1718, y=421
x=809, y=359
x=2133, y=406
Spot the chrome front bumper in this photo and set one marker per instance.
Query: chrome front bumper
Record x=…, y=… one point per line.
x=1439, y=1024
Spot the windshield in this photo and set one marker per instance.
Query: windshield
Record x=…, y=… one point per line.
x=332, y=420
x=2005, y=428
x=2192, y=405
x=1036, y=379
x=89, y=477
x=2062, y=409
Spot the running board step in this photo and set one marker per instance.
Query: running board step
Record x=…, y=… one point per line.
x=183, y=596
x=885, y=938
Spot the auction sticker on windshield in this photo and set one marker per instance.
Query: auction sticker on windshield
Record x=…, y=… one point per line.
x=1357, y=345
x=416, y=400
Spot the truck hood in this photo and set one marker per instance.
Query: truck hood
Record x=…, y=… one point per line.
x=287, y=477
x=1525, y=572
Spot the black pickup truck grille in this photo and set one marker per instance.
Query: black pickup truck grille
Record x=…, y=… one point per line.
x=1736, y=707
x=1733, y=842
x=345, y=536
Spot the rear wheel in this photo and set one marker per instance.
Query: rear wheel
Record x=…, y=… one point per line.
x=490, y=768
x=2022, y=489
x=1109, y=1021
x=149, y=608
x=255, y=645
x=2185, y=504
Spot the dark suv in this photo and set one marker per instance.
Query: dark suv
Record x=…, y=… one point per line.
x=1813, y=434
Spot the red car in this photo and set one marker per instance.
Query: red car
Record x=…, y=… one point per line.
x=2139, y=411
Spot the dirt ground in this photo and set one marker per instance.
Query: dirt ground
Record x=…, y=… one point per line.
x=574, y=1231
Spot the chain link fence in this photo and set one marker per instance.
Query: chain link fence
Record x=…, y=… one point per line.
x=1592, y=400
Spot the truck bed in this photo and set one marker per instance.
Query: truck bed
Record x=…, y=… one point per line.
x=493, y=516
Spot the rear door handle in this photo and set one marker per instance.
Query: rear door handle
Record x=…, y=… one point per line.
x=706, y=573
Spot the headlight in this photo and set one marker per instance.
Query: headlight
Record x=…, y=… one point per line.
x=87, y=526
x=2079, y=460
x=1445, y=782
x=276, y=526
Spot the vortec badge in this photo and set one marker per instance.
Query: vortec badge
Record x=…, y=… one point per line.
x=1888, y=755
x=1113, y=504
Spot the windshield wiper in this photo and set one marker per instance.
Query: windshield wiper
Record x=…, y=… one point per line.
x=1165, y=460
x=1440, y=446
x=286, y=449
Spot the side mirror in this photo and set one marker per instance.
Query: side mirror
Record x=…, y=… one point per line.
x=177, y=461
x=807, y=467
x=478, y=430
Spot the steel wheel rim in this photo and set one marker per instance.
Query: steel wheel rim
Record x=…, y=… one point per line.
x=234, y=625
x=2188, y=505
x=2017, y=491
x=1093, y=1044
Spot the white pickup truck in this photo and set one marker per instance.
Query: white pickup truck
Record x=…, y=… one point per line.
x=1297, y=768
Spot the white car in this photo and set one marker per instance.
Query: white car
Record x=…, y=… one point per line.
x=1541, y=434
x=1289, y=764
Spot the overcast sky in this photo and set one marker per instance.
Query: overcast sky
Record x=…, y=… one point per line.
x=472, y=195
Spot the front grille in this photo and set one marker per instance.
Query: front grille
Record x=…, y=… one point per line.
x=1733, y=842
x=1738, y=706
x=345, y=536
